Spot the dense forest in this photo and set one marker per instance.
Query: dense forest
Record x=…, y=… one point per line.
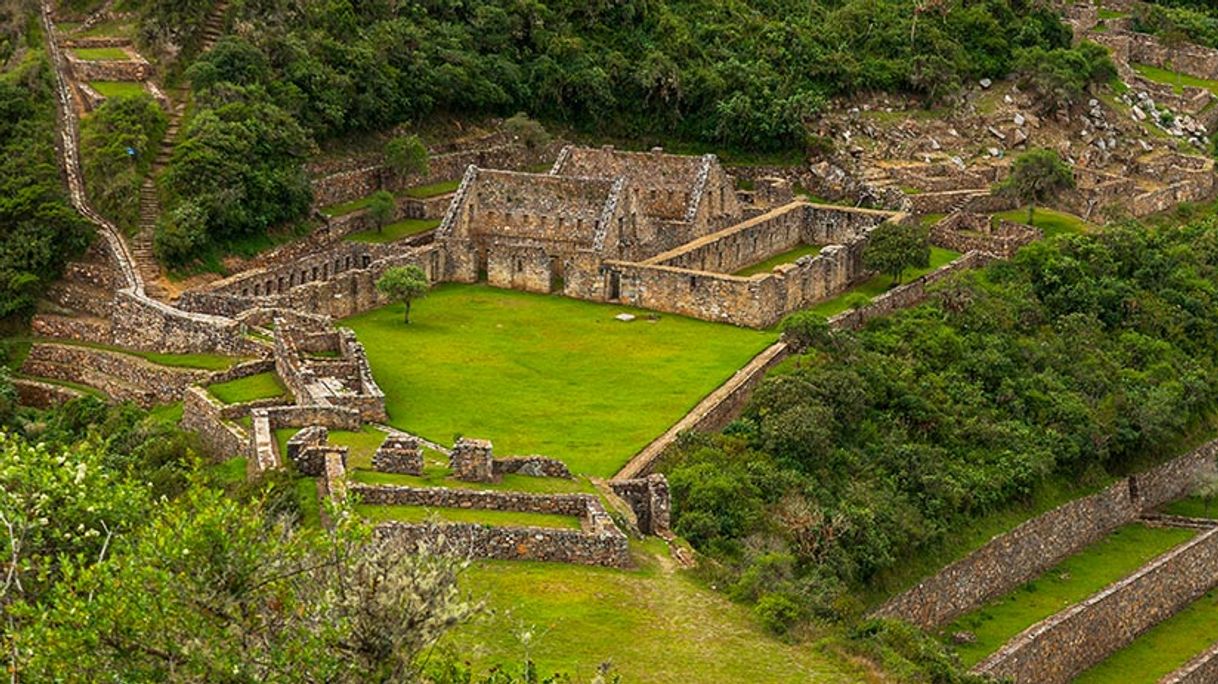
x=1080, y=357
x=738, y=74
x=39, y=229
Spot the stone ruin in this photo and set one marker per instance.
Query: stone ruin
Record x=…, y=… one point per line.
x=309, y=450
x=473, y=460
x=399, y=454
x=649, y=499
x=324, y=366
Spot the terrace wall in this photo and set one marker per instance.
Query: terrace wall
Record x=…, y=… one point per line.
x=1011, y=559
x=607, y=548
x=907, y=295
x=1061, y=647
x=121, y=376
x=966, y=232
x=1200, y=670
x=205, y=416
x=43, y=395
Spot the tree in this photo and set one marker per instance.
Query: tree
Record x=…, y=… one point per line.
x=404, y=284
x=406, y=155
x=1037, y=176
x=381, y=208
x=529, y=132
x=893, y=247
x=1060, y=76
x=1207, y=490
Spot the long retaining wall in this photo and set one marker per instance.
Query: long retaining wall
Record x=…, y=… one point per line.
x=1011, y=559
x=1202, y=669
x=120, y=376
x=1061, y=647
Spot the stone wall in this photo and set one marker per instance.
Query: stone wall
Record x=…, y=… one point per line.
x=472, y=460
x=574, y=505
x=204, y=416
x=309, y=451
x=1009, y=560
x=532, y=466
x=966, y=232
x=907, y=295
x=109, y=70
x=123, y=377
x=648, y=498
x=1061, y=647
x=147, y=325
x=608, y=548
x=399, y=454
x=43, y=395
x=331, y=417
x=343, y=381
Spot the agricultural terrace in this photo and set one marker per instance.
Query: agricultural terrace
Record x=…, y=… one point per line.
x=539, y=374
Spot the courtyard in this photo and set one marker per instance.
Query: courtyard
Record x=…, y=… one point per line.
x=549, y=375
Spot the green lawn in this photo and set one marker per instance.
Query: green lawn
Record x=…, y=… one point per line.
x=1112, y=14
x=433, y=190
x=260, y=386
x=167, y=413
x=1051, y=222
x=1174, y=79
x=395, y=231
x=1193, y=507
x=199, y=361
x=118, y=88
x=377, y=514
x=310, y=503
x=114, y=27
x=84, y=389
x=786, y=257
x=657, y=625
x=1163, y=648
x=101, y=54
x=1077, y=577
x=929, y=220
x=544, y=374
x=880, y=284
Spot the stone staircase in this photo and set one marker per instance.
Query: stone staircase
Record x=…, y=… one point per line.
x=142, y=245
x=214, y=28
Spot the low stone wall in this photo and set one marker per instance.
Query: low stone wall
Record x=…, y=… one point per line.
x=109, y=70
x=966, y=232
x=649, y=499
x=72, y=328
x=330, y=417
x=1202, y=669
x=1009, y=560
x=263, y=447
x=121, y=376
x=148, y=325
x=204, y=416
x=1056, y=650
x=533, y=466
x=907, y=295
x=574, y=505
x=43, y=395
x=608, y=548
x=944, y=202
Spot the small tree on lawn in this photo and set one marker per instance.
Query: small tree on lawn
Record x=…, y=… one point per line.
x=406, y=155
x=404, y=284
x=381, y=208
x=1207, y=490
x=892, y=248
x=1037, y=177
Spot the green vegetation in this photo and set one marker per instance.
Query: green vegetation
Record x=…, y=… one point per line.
x=432, y=190
x=894, y=248
x=118, y=88
x=39, y=229
x=1193, y=507
x=1179, y=21
x=118, y=142
x=167, y=413
x=1051, y=222
x=874, y=446
x=878, y=285
x=678, y=630
x=200, y=360
x=260, y=386
x=344, y=208
x=395, y=231
x=1061, y=76
x=1175, y=79
x=1037, y=176
x=1167, y=646
x=101, y=54
x=546, y=374
x=404, y=284
x=378, y=514
x=1074, y=579
x=1111, y=14
x=787, y=257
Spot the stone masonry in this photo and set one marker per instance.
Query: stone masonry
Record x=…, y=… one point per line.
x=399, y=454
x=471, y=460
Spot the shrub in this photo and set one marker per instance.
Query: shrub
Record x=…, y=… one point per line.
x=529, y=132
x=777, y=612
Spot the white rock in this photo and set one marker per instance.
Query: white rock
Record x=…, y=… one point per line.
x=625, y=317
x=994, y=152
x=1146, y=147
x=1019, y=119
x=986, y=83
x=1093, y=103
x=1008, y=99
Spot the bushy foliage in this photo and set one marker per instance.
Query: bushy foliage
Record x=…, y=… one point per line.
x=737, y=73
x=1037, y=176
x=1079, y=356
x=892, y=248
x=1196, y=21
x=39, y=229
x=117, y=145
x=1061, y=76
x=404, y=284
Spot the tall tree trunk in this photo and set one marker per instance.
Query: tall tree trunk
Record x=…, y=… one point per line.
x=1032, y=214
x=408, y=312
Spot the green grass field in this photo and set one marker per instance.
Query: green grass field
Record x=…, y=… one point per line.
x=260, y=386
x=1076, y=578
x=656, y=624
x=1193, y=507
x=1174, y=79
x=433, y=190
x=880, y=284
x=1051, y=222
x=199, y=361
x=786, y=257
x=344, y=208
x=101, y=54
x=395, y=231
x=548, y=375
x=378, y=514
x=118, y=88
x=1163, y=648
